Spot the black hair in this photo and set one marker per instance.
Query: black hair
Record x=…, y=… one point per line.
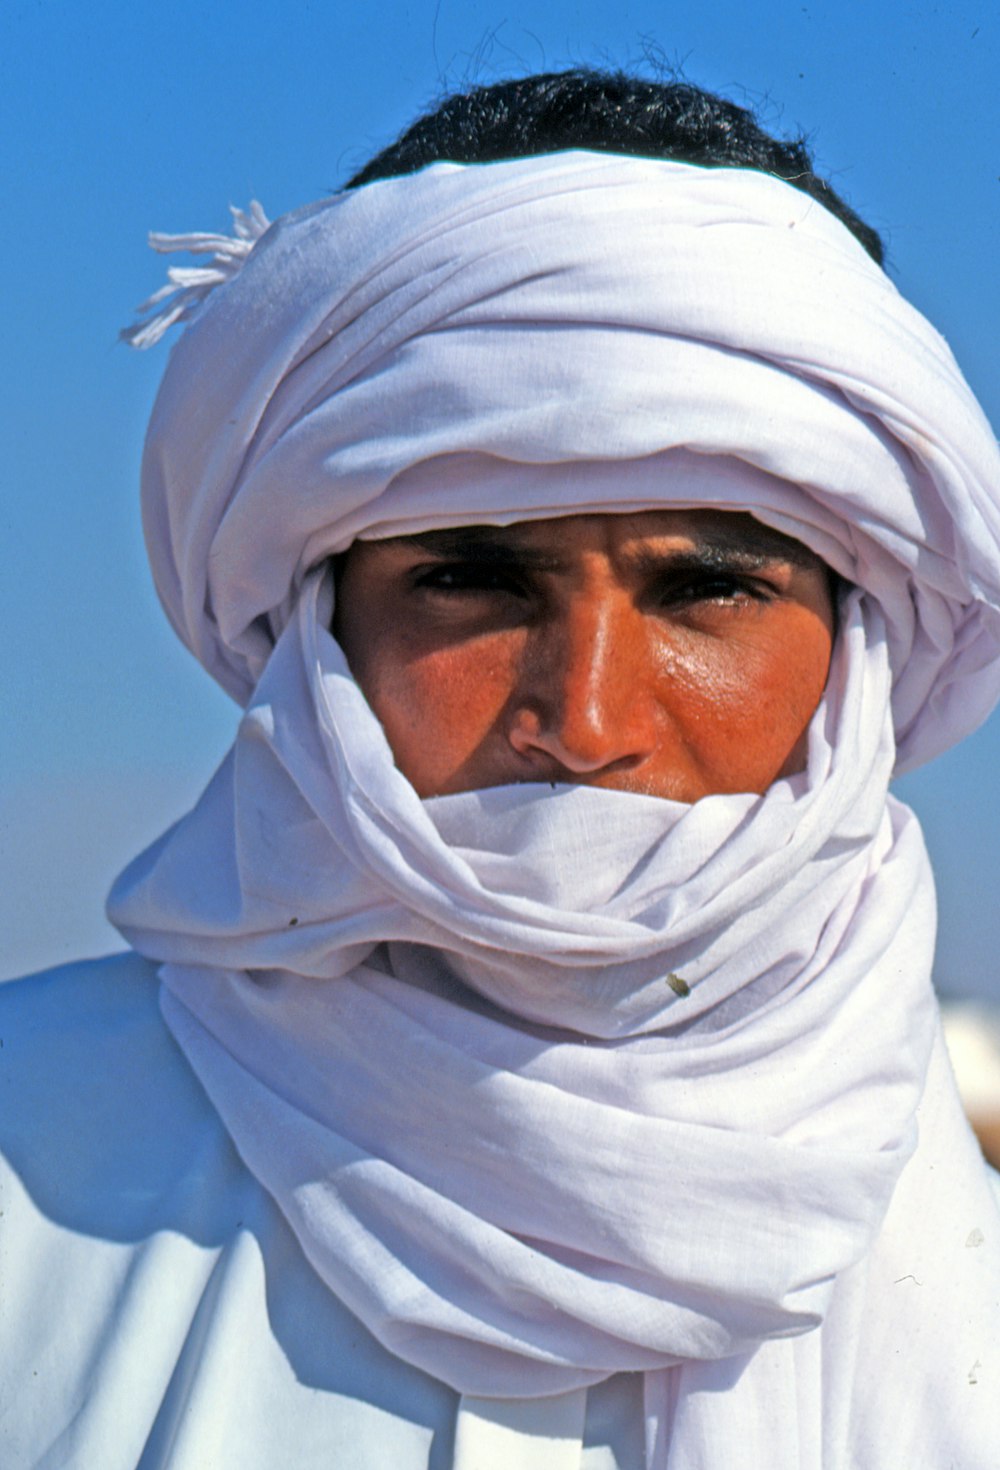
x=606, y=112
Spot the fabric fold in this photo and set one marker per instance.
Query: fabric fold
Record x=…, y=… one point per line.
x=385, y=361
x=449, y=1037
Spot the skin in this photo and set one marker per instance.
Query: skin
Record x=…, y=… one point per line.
x=678, y=653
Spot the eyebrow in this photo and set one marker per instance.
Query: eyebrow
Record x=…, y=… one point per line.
x=498, y=545
x=736, y=536
x=738, y=540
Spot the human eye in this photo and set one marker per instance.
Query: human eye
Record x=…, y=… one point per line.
x=467, y=578
x=715, y=588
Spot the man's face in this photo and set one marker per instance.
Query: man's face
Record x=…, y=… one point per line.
x=677, y=653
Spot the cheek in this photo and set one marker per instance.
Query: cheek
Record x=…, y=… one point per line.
x=744, y=703
x=438, y=707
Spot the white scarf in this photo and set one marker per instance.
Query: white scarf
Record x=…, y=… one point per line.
x=596, y=1082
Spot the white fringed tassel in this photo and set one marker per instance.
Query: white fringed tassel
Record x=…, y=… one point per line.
x=188, y=286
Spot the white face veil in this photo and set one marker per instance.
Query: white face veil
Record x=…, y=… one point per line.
x=604, y=1173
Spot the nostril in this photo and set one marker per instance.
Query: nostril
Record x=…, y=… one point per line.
x=552, y=742
x=525, y=732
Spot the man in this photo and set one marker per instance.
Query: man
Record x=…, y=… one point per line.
x=550, y=1071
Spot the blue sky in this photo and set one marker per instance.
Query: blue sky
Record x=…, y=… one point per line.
x=118, y=118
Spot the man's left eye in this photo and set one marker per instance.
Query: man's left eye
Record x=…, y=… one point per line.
x=714, y=587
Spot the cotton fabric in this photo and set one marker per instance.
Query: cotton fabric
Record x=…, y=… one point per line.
x=158, y=1313
x=444, y=1035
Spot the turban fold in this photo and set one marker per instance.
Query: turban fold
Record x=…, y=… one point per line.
x=613, y=334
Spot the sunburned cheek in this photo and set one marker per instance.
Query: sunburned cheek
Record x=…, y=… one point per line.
x=438, y=708
x=744, y=710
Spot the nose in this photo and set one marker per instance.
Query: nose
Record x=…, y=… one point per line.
x=583, y=705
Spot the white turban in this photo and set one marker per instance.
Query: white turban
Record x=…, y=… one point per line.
x=575, y=312
x=556, y=1084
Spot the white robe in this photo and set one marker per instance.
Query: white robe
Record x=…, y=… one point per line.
x=158, y=1312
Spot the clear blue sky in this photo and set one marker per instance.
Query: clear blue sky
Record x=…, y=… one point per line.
x=121, y=117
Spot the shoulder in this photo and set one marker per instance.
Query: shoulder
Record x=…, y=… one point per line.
x=87, y=1034
x=95, y=994
x=84, y=1030
x=51, y=1000
x=153, y=1293
x=99, y=1111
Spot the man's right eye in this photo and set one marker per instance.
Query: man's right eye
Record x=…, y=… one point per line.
x=469, y=577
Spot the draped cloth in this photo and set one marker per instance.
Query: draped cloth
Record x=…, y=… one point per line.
x=558, y=1083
